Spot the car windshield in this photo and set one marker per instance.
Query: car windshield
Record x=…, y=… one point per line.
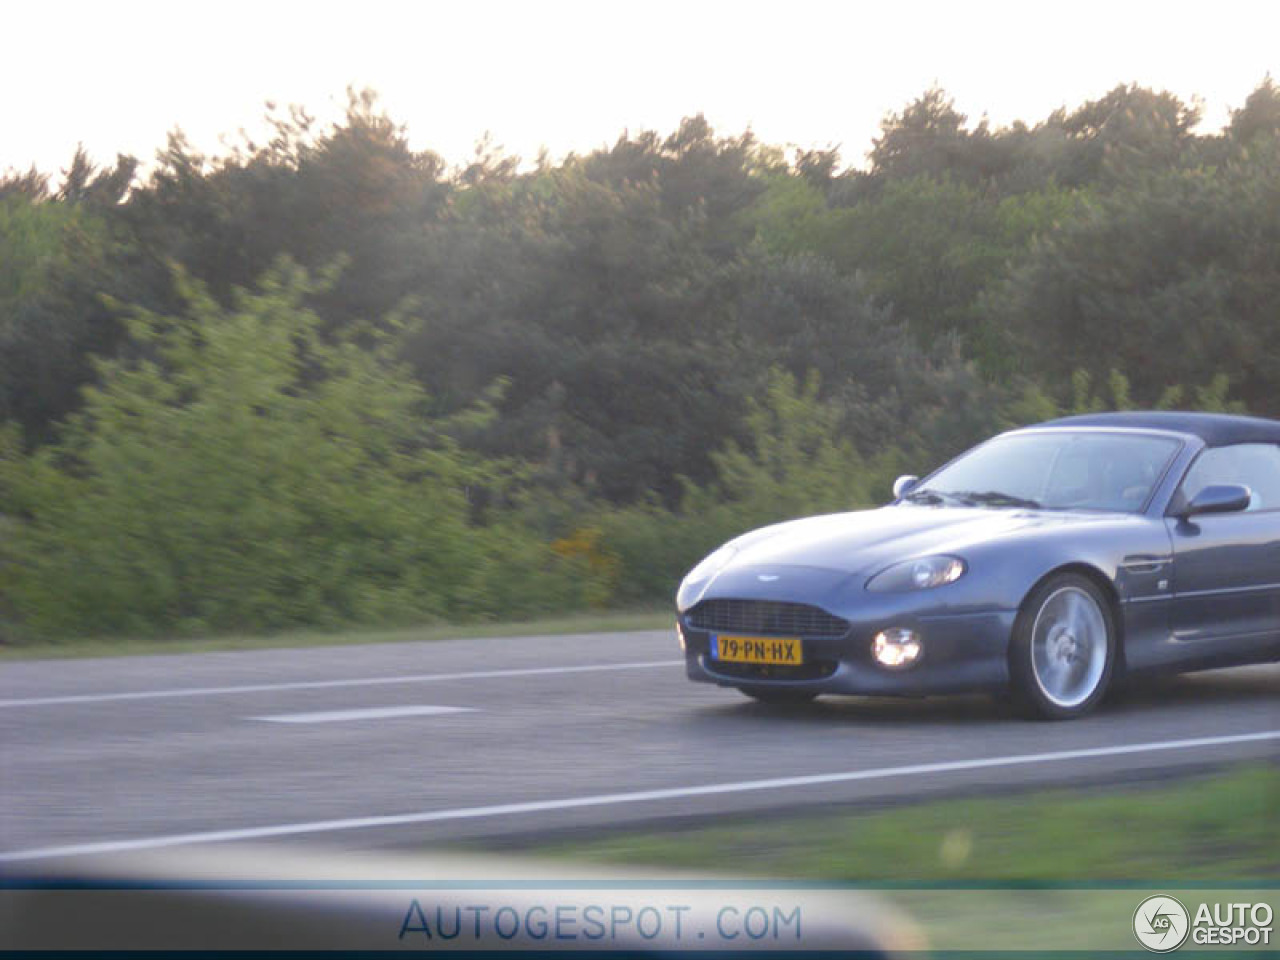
x=1057, y=470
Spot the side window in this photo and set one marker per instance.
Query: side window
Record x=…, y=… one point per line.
x=1256, y=465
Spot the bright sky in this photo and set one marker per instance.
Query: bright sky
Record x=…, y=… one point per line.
x=573, y=74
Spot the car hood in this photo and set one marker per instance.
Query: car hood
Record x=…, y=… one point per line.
x=866, y=541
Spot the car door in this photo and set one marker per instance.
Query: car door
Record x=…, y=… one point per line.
x=1226, y=573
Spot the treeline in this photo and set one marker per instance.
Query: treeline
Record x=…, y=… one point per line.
x=329, y=379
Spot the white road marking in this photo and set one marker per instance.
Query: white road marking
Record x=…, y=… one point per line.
x=332, y=684
x=371, y=713
x=616, y=799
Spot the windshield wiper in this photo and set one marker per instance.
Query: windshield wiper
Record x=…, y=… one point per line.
x=931, y=496
x=996, y=498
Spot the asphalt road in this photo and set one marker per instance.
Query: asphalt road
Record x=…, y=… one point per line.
x=414, y=744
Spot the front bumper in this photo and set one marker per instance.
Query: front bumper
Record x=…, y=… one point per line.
x=963, y=652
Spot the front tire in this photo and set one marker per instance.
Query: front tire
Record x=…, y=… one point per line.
x=1063, y=650
x=779, y=696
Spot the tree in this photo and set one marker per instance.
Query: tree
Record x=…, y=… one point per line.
x=1131, y=130
x=927, y=138
x=356, y=190
x=56, y=257
x=925, y=247
x=1260, y=115
x=598, y=307
x=1172, y=281
x=793, y=461
x=697, y=174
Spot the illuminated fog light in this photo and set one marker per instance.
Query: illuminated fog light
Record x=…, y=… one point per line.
x=897, y=648
x=680, y=636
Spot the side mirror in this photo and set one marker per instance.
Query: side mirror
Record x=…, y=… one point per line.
x=1219, y=498
x=904, y=485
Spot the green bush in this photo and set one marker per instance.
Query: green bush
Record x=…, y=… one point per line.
x=246, y=474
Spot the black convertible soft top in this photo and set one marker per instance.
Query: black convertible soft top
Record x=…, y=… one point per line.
x=1215, y=429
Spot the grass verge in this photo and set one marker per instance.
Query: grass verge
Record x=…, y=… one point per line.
x=589, y=622
x=1223, y=827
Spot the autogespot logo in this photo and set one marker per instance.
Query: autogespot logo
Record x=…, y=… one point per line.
x=1161, y=923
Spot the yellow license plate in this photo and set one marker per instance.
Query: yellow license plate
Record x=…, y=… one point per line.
x=784, y=651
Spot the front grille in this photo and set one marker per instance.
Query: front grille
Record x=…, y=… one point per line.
x=766, y=617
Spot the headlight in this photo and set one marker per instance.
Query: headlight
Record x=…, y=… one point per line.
x=922, y=574
x=711, y=565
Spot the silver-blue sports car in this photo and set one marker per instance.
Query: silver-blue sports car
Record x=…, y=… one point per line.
x=1047, y=562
